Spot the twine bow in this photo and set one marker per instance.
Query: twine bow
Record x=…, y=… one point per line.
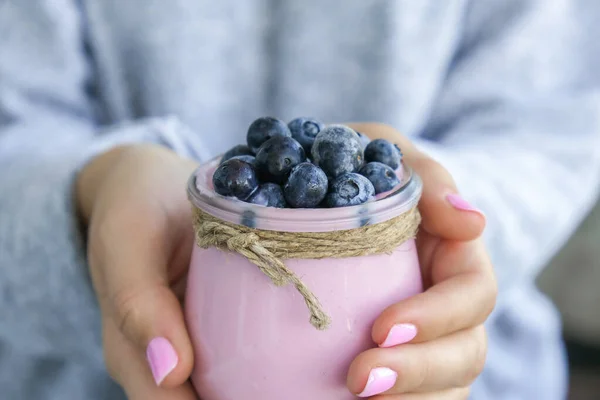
x=268, y=249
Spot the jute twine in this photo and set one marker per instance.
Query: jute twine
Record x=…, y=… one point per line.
x=268, y=249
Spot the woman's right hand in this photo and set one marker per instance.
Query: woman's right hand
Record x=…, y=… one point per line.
x=133, y=202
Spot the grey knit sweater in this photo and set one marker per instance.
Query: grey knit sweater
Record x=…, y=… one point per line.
x=505, y=93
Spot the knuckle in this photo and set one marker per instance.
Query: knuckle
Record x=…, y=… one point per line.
x=478, y=340
x=127, y=310
x=488, y=283
x=446, y=324
x=487, y=293
x=423, y=372
x=492, y=295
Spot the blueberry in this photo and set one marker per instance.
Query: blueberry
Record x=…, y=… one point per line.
x=269, y=195
x=382, y=176
x=235, y=178
x=246, y=158
x=306, y=187
x=305, y=130
x=382, y=151
x=337, y=150
x=276, y=158
x=239, y=150
x=264, y=129
x=364, y=139
x=349, y=189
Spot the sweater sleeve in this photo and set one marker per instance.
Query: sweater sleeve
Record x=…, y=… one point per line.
x=47, y=132
x=517, y=123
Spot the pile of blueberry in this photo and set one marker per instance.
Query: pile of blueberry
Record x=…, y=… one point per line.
x=305, y=164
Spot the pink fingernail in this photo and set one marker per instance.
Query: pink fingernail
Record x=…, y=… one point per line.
x=461, y=204
x=399, y=334
x=162, y=358
x=380, y=380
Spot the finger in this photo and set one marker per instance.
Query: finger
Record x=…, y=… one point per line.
x=133, y=286
x=449, y=362
x=129, y=369
x=463, y=295
x=445, y=213
x=450, y=394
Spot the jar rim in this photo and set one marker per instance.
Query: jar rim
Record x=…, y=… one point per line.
x=398, y=201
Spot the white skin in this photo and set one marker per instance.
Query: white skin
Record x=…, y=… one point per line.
x=140, y=241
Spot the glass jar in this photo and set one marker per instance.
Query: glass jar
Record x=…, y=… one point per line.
x=252, y=340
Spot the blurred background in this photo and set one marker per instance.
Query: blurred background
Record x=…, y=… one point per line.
x=572, y=280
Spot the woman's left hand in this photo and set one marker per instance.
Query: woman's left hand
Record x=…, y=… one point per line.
x=432, y=345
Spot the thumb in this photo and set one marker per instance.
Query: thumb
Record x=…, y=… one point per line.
x=150, y=316
x=132, y=282
x=445, y=214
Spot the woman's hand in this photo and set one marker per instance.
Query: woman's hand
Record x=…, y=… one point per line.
x=432, y=345
x=140, y=238
x=140, y=241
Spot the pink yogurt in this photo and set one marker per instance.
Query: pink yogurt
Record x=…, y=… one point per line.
x=252, y=340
